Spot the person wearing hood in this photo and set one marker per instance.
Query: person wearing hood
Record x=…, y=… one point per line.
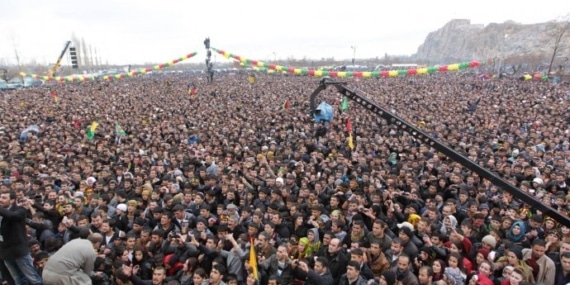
x=314, y=242
x=449, y=223
x=321, y=275
x=172, y=264
x=517, y=231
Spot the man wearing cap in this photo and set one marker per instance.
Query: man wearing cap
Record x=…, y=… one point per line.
x=291, y=183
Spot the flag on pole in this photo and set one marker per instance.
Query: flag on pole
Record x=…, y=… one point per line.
x=253, y=260
x=119, y=132
x=344, y=105
x=350, y=143
x=53, y=95
x=251, y=79
x=91, y=130
x=349, y=131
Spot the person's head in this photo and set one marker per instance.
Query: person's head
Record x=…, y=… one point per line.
x=321, y=265
x=7, y=198
x=425, y=275
x=199, y=276
x=96, y=239
x=272, y=280
x=232, y=279
x=357, y=227
x=486, y=268
x=403, y=263
x=538, y=248
x=514, y=256
x=375, y=248
x=334, y=246
x=217, y=274
x=282, y=251
x=396, y=246
x=158, y=275
x=517, y=276
x=565, y=261
x=352, y=270
x=357, y=255
x=455, y=260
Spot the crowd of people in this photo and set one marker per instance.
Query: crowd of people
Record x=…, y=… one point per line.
x=236, y=184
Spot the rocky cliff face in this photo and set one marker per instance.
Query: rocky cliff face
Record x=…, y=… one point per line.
x=460, y=40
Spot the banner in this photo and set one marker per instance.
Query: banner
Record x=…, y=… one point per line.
x=356, y=74
x=82, y=78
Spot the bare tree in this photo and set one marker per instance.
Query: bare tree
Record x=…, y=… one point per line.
x=85, y=53
x=559, y=33
x=16, y=52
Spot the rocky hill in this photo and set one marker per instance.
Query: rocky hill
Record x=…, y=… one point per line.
x=460, y=40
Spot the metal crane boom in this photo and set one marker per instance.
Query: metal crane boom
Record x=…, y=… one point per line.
x=437, y=145
x=58, y=62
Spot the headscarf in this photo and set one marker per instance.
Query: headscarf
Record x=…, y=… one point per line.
x=314, y=247
x=453, y=224
x=520, y=236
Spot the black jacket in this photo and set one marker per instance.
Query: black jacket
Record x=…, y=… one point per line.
x=13, y=238
x=337, y=265
x=312, y=278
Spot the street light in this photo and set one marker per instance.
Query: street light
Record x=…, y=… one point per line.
x=353, y=54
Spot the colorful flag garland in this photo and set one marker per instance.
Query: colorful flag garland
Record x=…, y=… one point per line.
x=82, y=78
x=356, y=74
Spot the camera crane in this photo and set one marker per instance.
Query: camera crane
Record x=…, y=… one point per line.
x=58, y=62
x=424, y=138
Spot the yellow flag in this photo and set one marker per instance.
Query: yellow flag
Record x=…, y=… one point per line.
x=94, y=126
x=350, y=143
x=253, y=259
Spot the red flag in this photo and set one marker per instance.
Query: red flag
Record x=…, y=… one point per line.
x=286, y=106
x=348, y=126
x=53, y=95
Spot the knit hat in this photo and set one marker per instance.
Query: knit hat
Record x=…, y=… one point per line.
x=122, y=207
x=484, y=252
x=490, y=240
x=517, y=251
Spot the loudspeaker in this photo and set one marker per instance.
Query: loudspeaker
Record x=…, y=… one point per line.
x=73, y=55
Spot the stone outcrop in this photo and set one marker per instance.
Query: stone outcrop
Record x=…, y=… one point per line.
x=460, y=40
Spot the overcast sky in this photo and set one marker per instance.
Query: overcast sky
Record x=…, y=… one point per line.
x=128, y=31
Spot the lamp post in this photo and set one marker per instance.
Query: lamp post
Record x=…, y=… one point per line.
x=353, y=54
x=274, y=57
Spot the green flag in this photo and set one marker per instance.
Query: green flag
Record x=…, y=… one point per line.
x=91, y=130
x=344, y=105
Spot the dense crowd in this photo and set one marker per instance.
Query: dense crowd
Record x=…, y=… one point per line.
x=237, y=184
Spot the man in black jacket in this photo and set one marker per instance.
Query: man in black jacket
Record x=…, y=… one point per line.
x=320, y=276
x=337, y=259
x=14, y=248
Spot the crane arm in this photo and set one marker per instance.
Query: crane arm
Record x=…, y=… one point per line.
x=427, y=139
x=58, y=62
